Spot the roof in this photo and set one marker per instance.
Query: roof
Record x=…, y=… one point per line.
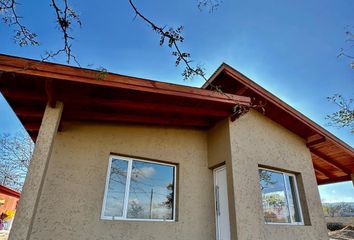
x=333, y=159
x=90, y=95
x=9, y=192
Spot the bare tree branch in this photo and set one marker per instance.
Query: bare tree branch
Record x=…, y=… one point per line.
x=344, y=52
x=22, y=36
x=212, y=5
x=174, y=37
x=65, y=16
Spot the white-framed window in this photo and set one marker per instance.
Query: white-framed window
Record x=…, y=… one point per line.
x=139, y=190
x=280, y=197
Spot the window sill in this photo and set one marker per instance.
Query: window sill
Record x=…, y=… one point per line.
x=135, y=220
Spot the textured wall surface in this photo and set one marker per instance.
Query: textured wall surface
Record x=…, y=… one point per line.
x=71, y=201
x=219, y=152
x=256, y=140
x=72, y=194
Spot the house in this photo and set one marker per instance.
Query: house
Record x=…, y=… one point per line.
x=120, y=157
x=8, y=204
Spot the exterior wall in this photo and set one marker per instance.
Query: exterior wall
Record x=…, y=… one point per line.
x=8, y=204
x=219, y=153
x=72, y=194
x=256, y=140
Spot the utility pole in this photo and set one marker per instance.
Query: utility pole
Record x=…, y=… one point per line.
x=151, y=195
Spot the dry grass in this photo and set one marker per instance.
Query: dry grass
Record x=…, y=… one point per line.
x=346, y=233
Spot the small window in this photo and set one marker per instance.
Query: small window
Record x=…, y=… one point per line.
x=139, y=190
x=280, y=197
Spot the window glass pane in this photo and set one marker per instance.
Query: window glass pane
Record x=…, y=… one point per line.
x=274, y=198
x=151, y=191
x=293, y=201
x=116, y=188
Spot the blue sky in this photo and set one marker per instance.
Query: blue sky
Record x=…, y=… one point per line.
x=290, y=48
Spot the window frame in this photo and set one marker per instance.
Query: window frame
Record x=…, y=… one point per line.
x=127, y=187
x=301, y=223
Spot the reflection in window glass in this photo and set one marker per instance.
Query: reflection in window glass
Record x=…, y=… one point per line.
x=279, y=197
x=150, y=190
x=116, y=188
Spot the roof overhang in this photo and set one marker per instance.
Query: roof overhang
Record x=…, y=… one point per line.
x=90, y=95
x=9, y=192
x=333, y=159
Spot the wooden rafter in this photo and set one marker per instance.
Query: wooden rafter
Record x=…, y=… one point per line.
x=241, y=90
x=330, y=162
x=320, y=172
x=315, y=140
x=49, y=89
x=29, y=114
x=118, y=117
x=21, y=95
x=32, y=126
x=323, y=171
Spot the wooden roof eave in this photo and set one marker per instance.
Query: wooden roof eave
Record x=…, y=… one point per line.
x=30, y=84
x=68, y=73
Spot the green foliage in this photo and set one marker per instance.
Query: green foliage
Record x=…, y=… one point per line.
x=169, y=198
x=102, y=73
x=276, y=201
x=135, y=209
x=335, y=226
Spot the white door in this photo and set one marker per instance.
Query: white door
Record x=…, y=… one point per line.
x=221, y=204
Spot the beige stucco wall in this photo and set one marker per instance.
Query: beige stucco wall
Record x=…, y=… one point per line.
x=71, y=200
x=219, y=153
x=70, y=205
x=256, y=140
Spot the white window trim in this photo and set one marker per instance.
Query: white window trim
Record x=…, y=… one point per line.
x=127, y=186
x=287, y=198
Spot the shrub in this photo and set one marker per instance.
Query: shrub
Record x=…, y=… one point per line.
x=335, y=226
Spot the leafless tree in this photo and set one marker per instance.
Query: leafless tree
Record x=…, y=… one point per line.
x=15, y=155
x=338, y=209
x=66, y=17
x=348, y=50
x=344, y=116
